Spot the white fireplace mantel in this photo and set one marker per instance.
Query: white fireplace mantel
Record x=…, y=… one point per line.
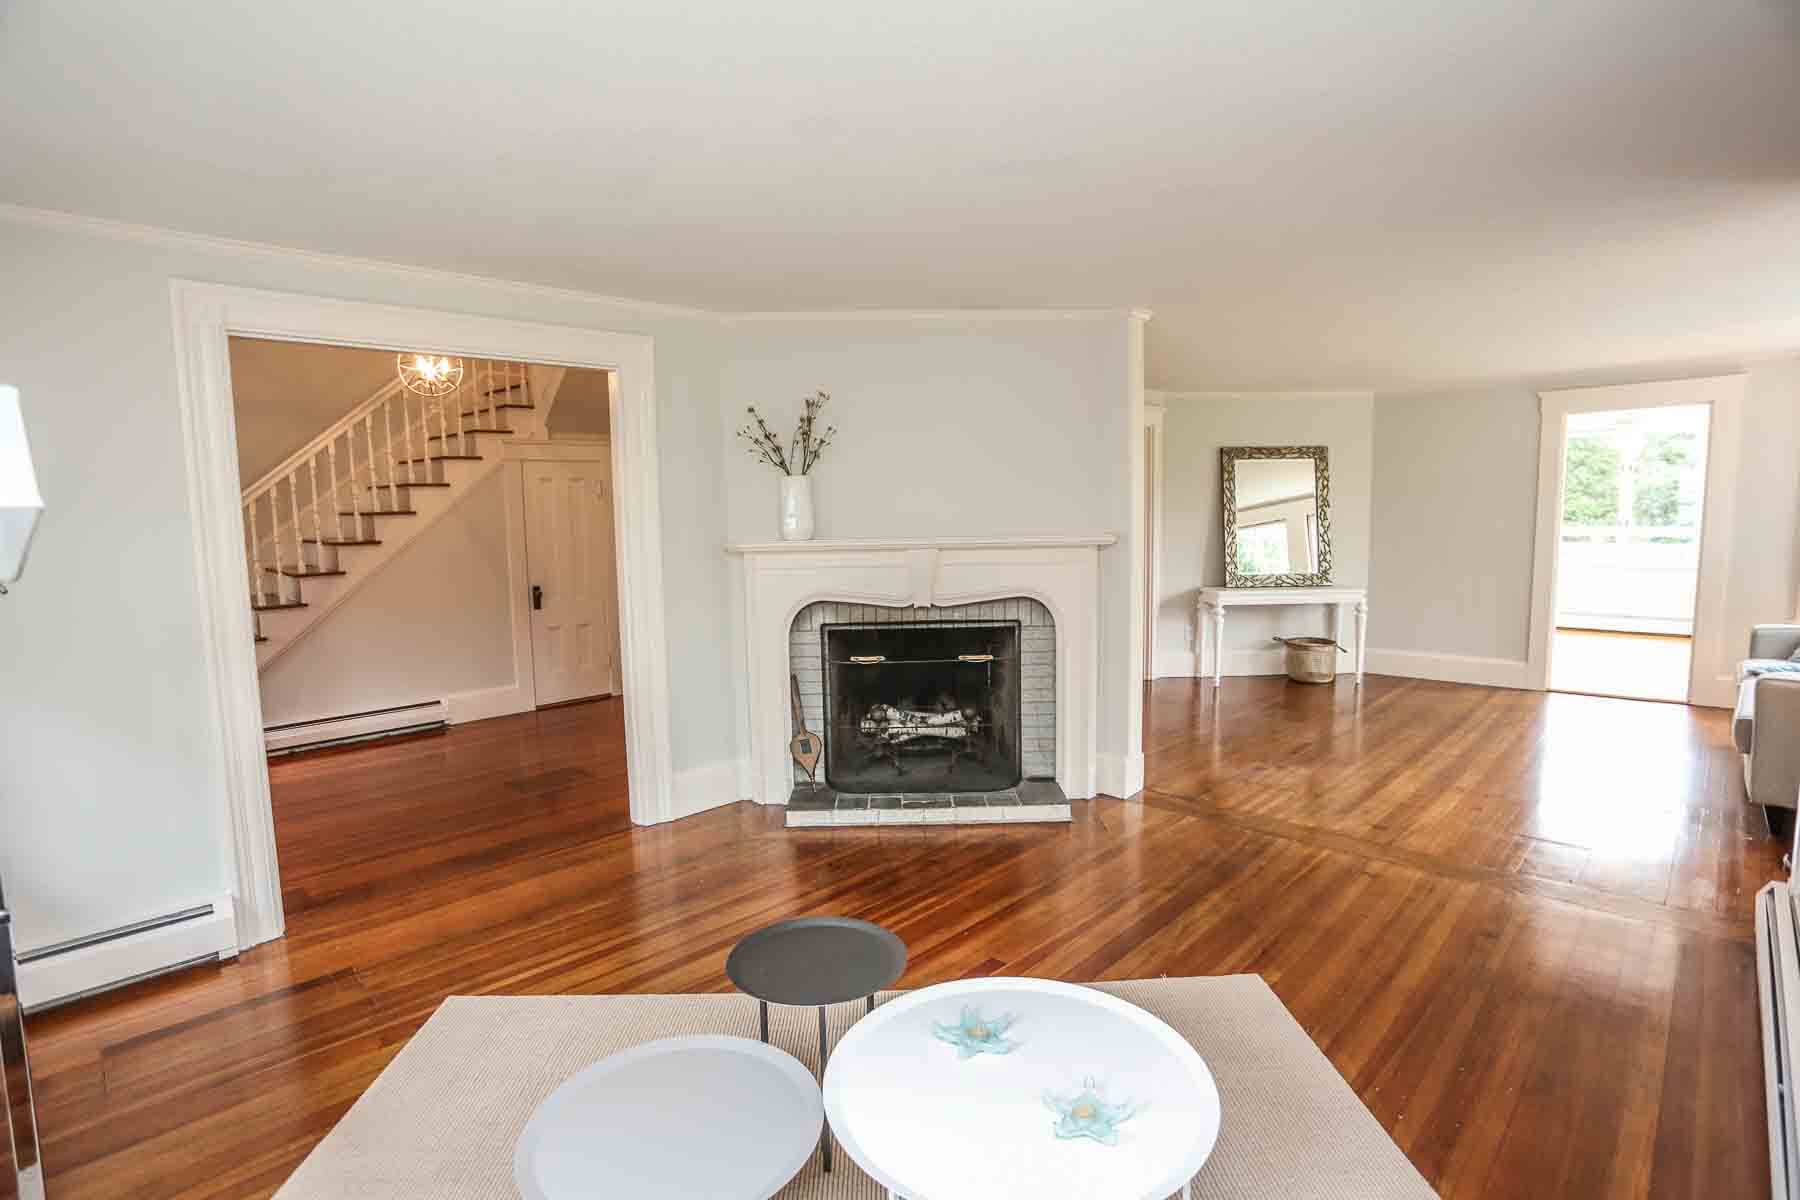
x=781, y=578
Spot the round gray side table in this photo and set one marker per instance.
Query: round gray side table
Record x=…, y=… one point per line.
x=810, y=962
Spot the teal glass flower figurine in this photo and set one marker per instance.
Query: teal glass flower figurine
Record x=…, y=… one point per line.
x=1086, y=1115
x=975, y=1034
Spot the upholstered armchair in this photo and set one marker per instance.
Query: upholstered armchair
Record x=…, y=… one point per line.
x=1766, y=725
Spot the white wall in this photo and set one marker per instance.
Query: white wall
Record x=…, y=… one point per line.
x=583, y=404
x=284, y=394
x=972, y=426
x=1455, y=508
x=1195, y=426
x=434, y=621
x=111, y=796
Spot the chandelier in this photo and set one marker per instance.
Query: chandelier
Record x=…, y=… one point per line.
x=430, y=375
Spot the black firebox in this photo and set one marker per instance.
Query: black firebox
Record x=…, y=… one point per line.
x=922, y=706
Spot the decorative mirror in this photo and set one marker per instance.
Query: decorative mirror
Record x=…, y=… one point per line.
x=1277, y=506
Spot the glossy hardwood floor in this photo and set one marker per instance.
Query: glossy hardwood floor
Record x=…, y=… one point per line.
x=1519, y=924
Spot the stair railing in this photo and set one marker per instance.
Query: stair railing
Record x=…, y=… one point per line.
x=320, y=493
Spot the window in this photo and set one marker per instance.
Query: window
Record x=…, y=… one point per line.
x=1263, y=549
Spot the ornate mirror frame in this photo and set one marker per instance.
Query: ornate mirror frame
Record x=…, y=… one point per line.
x=1229, y=457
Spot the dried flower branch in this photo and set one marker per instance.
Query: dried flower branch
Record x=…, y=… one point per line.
x=801, y=454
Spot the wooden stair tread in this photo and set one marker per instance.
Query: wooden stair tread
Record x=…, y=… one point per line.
x=382, y=487
x=442, y=437
x=342, y=541
x=291, y=573
x=431, y=458
x=380, y=512
x=498, y=404
x=267, y=605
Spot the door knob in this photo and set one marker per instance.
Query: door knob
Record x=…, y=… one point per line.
x=537, y=596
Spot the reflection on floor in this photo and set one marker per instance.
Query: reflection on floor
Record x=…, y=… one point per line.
x=1642, y=666
x=1519, y=925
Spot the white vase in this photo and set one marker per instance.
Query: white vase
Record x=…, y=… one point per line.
x=796, y=508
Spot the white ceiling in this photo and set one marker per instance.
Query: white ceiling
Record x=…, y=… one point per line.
x=1388, y=193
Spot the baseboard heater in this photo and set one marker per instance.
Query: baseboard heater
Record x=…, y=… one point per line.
x=1778, y=989
x=80, y=967
x=356, y=727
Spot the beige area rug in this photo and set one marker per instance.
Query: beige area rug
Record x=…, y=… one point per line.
x=441, y=1122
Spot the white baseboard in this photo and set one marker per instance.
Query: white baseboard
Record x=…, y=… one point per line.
x=52, y=975
x=1452, y=668
x=699, y=788
x=489, y=702
x=1185, y=664
x=293, y=735
x=1120, y=775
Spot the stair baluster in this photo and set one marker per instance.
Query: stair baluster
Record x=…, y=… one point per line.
x=387, y=425
x=256, y=579
x=337, y=511
x=293, y=482
x=312, y=466
x=406, y=425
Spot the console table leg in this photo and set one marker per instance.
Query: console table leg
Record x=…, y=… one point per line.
x=1218, y=615
x=1362, y=637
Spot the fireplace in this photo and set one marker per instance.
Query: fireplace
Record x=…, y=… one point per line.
x=1041, y=591
x=922, y=706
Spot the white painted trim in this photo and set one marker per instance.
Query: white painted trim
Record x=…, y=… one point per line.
x=711, y=786
x=1120, y=775
x=523, y=688
x=156, y=235
x=1001, y=542
x=204, y=317
x=111, y=963
x=483, y=703
x=1154, y=415
x=292, y=735
x=585, y=449
x=860, y=315
x=1136, y=545
x=1707, y=684
x=1452, y=668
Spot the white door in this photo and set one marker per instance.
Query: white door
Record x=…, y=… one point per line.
x=569, y=552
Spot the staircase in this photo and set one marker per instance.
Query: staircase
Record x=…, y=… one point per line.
x=323, y=522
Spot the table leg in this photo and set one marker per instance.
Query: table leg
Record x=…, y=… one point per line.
x=1362, y=637
x=763, y=1005
x=825, y=1134
x=1218, y=644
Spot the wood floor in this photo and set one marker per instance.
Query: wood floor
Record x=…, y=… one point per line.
x=1518, y=923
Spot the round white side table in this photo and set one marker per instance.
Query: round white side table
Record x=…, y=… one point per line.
x=928, y=1122
x=688, y=1118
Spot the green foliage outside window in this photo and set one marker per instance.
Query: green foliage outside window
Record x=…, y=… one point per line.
x=1591, y=495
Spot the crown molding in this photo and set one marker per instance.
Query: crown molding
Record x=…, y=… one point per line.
x=46, y=218
x=106, y=227
x=926, y=314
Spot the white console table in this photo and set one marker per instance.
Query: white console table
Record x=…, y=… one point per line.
x=1215, y=600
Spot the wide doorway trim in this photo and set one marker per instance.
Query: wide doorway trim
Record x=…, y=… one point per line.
x=205, y=317
x=1709, y=680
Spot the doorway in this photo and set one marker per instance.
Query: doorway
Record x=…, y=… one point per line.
x=207, y=316
x=569, y=557
x=1634, y=489
x=1634, y=492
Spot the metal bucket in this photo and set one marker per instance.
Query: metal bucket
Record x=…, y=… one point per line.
x=1311, y=659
